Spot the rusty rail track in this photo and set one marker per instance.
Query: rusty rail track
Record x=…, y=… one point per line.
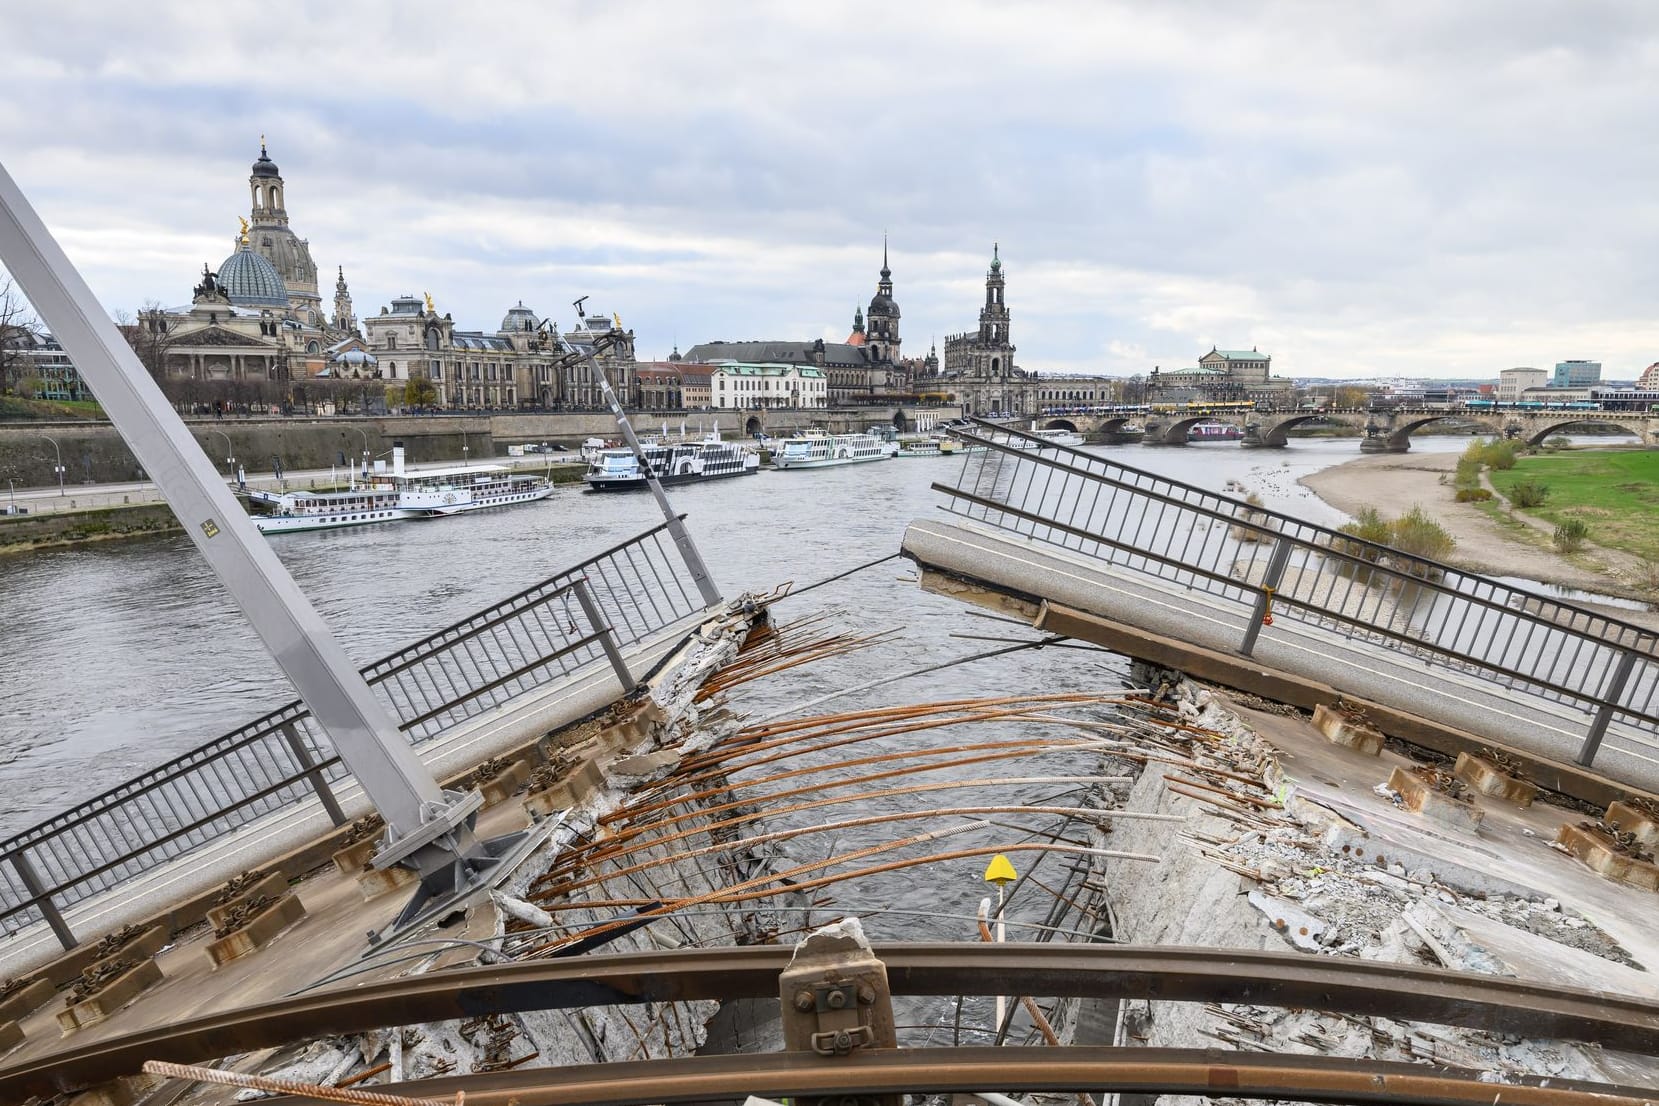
x=1492, y=1003
x=1249, y=1075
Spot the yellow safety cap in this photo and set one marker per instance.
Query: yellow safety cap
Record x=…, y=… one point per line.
x=1000, y=871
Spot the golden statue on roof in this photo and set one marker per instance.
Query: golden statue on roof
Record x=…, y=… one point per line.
x=429, y=306
x=617, y=319
x=244, y=223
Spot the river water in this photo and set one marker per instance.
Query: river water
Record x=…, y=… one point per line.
x=115, y=657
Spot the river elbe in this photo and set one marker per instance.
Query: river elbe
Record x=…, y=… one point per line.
x=115, y=657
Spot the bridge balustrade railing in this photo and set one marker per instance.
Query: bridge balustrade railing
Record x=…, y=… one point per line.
x=581, y=616
x=1273, y=565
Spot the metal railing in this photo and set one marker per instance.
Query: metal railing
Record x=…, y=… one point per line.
x=1271, y=564
x=580, y=616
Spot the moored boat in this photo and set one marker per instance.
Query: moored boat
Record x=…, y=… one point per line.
x=397, y=496
x=290, y=511
x=673, y=463
x=1213, y=432
x=816, y=451
x=1060, y=437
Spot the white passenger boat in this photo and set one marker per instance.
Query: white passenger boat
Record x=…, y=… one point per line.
x=1060, y=437
x=674, y=463
x=927, y=445
x=399, y=495
x=290, y=511
x=817, y=451
x=435, y=492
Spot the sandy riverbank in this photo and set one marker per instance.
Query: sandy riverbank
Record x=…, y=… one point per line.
x=1393, y=483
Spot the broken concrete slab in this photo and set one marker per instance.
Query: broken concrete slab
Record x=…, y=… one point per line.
x=1290, y=921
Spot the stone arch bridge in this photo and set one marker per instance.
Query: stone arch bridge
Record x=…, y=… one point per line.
x=1383, y=431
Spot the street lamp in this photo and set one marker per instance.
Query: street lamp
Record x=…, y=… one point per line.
x=58, y=464
x=230, y=459
x=362, y=434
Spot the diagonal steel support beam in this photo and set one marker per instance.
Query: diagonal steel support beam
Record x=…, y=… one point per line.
x=364, y=733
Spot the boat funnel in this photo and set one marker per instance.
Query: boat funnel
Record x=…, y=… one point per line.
x=397, y=458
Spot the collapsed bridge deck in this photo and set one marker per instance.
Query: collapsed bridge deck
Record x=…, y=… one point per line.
x=1244, y=596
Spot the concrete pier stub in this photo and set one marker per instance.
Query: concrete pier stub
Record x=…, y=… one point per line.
x=835, y=999
x=1347, y=726
x=1598, y=853
x=1634, y=820
x=1423, y=797
x=1488, y=778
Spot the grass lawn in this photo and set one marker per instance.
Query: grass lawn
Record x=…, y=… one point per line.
x=1615, y=493
x=16, y=407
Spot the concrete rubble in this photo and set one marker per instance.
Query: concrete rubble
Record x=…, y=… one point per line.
x=559, y=1037
x=1294, y=873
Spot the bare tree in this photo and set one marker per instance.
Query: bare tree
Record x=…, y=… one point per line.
x=17, y=329
x=148, y=336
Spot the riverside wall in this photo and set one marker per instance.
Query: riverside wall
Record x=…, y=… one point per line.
x=95, y=452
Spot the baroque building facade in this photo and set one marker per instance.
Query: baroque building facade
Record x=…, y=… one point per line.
x=259, y=315
x=1221, y=375
x=521, y=364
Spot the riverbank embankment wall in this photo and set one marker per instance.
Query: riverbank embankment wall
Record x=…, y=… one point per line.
x=95, y=452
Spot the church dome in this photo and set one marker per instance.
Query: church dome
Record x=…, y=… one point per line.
x=519, y=319
x=252, y=281
x=265, y=167
x=881, y=304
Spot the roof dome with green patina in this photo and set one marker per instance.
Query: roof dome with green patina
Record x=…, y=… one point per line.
x=250, y=280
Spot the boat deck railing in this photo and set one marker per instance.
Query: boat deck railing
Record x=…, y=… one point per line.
x=581, y=616
x=1271, y=565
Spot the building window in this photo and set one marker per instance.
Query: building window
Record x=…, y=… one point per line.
x=391, y=341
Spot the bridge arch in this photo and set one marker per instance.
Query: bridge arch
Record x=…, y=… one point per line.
x=1588, y=418
x=753, y=426
x=1176, y=432
x=1060, y=424
x=1399, y=438
x=1275, y=434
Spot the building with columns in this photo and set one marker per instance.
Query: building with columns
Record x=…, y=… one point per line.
x=1220, y=375
x=520, y=364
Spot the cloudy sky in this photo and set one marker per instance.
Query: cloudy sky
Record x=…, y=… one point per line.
x=1428, y=189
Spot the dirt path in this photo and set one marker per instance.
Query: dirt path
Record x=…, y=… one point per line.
x=1394, y=483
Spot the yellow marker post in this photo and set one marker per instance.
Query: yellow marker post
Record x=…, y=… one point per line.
x=1000, y=872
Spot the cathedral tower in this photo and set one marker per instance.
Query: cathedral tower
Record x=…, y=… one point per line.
x=270, y=235
x=881, y=326
x=344, y=320
x=997, y=354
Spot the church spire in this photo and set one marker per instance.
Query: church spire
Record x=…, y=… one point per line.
x=886, y=273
